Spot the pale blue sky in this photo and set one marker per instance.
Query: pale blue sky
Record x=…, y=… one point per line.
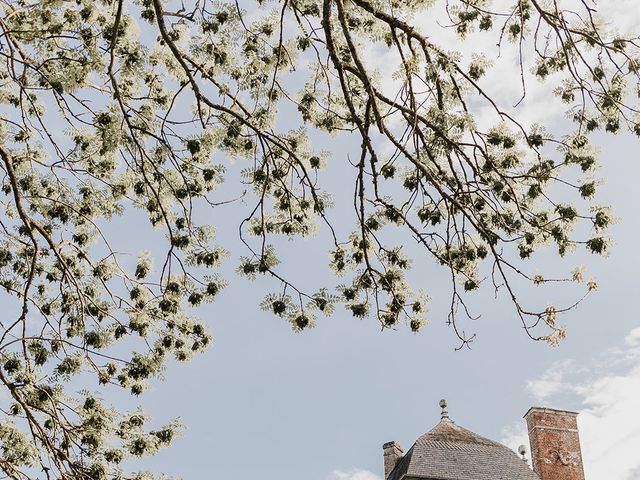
x=264, y=401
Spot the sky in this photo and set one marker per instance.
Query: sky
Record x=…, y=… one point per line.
x=266, y=402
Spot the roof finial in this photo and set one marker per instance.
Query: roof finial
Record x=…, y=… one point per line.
x=443, y=405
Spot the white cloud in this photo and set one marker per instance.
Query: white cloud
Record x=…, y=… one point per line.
x=609, y=419
x=610, y=426
x=551, y=383
x=353, y=474
x=632, y=340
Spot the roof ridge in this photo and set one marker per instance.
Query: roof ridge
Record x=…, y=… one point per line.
x=448, y=431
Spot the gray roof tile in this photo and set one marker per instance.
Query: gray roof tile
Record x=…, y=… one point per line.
x=450, y=452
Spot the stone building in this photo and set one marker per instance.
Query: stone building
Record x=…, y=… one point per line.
x=450, y=452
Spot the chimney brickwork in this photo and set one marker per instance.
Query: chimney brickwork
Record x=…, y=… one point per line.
x=392, y=453
x=555, y=444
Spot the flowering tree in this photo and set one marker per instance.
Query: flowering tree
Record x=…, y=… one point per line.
x=113, y=105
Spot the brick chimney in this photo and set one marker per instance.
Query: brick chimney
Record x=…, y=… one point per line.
x=555, y=445
x=392, y=452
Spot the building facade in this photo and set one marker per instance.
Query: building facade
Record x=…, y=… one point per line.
x=451, y=452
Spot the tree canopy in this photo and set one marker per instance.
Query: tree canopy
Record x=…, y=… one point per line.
x=110, y=105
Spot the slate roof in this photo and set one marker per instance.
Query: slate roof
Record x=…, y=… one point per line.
x=450, y=452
